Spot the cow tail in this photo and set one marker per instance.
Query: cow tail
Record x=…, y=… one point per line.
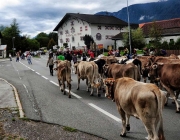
x=158, y=99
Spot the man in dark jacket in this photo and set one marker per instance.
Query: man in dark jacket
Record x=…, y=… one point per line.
x=68, y=56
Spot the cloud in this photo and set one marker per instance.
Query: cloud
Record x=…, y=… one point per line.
x=35, y=16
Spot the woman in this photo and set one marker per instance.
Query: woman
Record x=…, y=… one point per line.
x=50, y=62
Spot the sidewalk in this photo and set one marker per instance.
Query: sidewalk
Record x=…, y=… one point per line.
x=9, y=97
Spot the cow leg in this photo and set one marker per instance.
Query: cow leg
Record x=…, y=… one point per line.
x=60, y=84
x=92, y=89
x=171, y=92
x=123, y=118
x=78, y=83
x=127, y=123
x=150, y=128
x=64, y=88
x=87, y=84
x=177, y=95
x=69, y=85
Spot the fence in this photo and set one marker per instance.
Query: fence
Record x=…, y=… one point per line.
x=176, y=52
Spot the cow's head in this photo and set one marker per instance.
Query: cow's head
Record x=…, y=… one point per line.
x=105, y=69
x=108, y=83
x=153, y=72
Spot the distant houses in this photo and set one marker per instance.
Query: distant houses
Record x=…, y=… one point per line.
x=74, y=26
x=2, y=48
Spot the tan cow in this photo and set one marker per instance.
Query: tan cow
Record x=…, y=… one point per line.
x=64, y=74
x=89, y=71
x=141, y=100
x=169, y=77
x=122, y=70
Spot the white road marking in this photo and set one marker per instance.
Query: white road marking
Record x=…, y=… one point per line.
x=54, y=83
x=105, y=112
x=45, y=77
x=25, y=88
x=38, y=73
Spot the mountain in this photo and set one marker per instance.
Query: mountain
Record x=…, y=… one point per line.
x=148, y=12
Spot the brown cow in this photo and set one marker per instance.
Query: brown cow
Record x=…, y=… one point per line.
x=141, y=100
x=122, y=70
x=89, y=71
x=169, y=77
x=64, y=74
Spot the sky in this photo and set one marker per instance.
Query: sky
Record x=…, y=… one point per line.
x=36, y=16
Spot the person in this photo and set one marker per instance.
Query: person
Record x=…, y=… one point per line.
x=134, y=52
x=117, y=54
x=61, y=56
x=10, y=57
x=91, y=55
x=68, y=56
x=74, y=58
x=126, y=51
x=83, y=57
x=17, y=57
x=29, y=59
x=50, y=62
x=162, y=52
x=110, y=53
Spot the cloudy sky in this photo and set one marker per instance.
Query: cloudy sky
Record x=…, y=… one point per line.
x=35, y=16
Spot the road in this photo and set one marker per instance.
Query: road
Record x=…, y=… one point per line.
x=42, y=100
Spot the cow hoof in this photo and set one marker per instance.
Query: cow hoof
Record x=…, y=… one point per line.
x=128, y=127
x=69, y=96
x=177, y=111
x=91, y=94
x=123, y=135
x=99, y=95
x=104, y=90
x=61, y=90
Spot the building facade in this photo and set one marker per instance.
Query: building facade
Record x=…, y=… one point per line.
x=73, y=27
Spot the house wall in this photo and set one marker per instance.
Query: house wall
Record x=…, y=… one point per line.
x=81, y=28
x=166, y=38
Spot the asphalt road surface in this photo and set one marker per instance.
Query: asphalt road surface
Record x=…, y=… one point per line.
x=42, y=100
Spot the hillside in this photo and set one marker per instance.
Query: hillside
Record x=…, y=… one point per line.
x=141, y=13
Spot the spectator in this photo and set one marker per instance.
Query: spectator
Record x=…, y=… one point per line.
x=29, y=58
x=74, y=58
x=60, y=56
x=50, y=62
x=83, y=57
x=110, y=53
x=117, y=53
x=10, y=57
x=68, y=56
x=162, y=52
x=17, y=57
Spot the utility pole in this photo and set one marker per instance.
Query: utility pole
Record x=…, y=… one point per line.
x=129, y=30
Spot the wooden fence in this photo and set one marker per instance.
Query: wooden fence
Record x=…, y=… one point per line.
x=176, y=52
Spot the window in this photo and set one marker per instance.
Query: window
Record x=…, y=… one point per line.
x=98, y=36
x=73, y=39
x=66, y=32
x=171, y=40
x=72, y=30
x=81, y=38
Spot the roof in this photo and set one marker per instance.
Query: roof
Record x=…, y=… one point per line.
x=168, y=27
x=118, y=36
x=3, y=47
x=94, y=19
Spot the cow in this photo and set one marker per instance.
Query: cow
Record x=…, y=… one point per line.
x=142, y=100
x=89, y=71
x=64, y=74
x=122, y=70
x=169, y=77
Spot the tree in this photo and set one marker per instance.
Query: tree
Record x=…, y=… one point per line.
x=51, y=44
x=137, y=38
x=43, y=39
x=88, y=40
x=155, y=35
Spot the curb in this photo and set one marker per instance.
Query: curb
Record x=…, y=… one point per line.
x=21, y=113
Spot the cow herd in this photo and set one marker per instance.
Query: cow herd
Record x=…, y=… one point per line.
x=120, y=79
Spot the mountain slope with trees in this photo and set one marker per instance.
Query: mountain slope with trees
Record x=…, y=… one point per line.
x=148, y=12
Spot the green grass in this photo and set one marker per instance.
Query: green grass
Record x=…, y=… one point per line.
x=69, y=129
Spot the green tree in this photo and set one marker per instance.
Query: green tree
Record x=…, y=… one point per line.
x=155, y=35
x=53, y=36
x=137, y=38
x=88, y=40
x=51, y=44
x=43, y=39
x=178, y=43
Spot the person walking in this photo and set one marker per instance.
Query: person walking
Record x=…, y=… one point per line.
x=74, y=58
x=10, y=57
x=29, y=59
x=17, y=57
x=50, y=62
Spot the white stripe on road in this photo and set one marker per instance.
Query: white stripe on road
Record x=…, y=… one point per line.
x=54, y=83
x=38, y=73
x=45, y=77
x=25, y=88
x=105, y=112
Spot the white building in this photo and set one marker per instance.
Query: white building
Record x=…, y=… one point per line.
x=170, y=29
x=73, y=27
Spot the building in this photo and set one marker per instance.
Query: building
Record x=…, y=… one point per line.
x=73, y=27
x=170, y=29
x=3, y=51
